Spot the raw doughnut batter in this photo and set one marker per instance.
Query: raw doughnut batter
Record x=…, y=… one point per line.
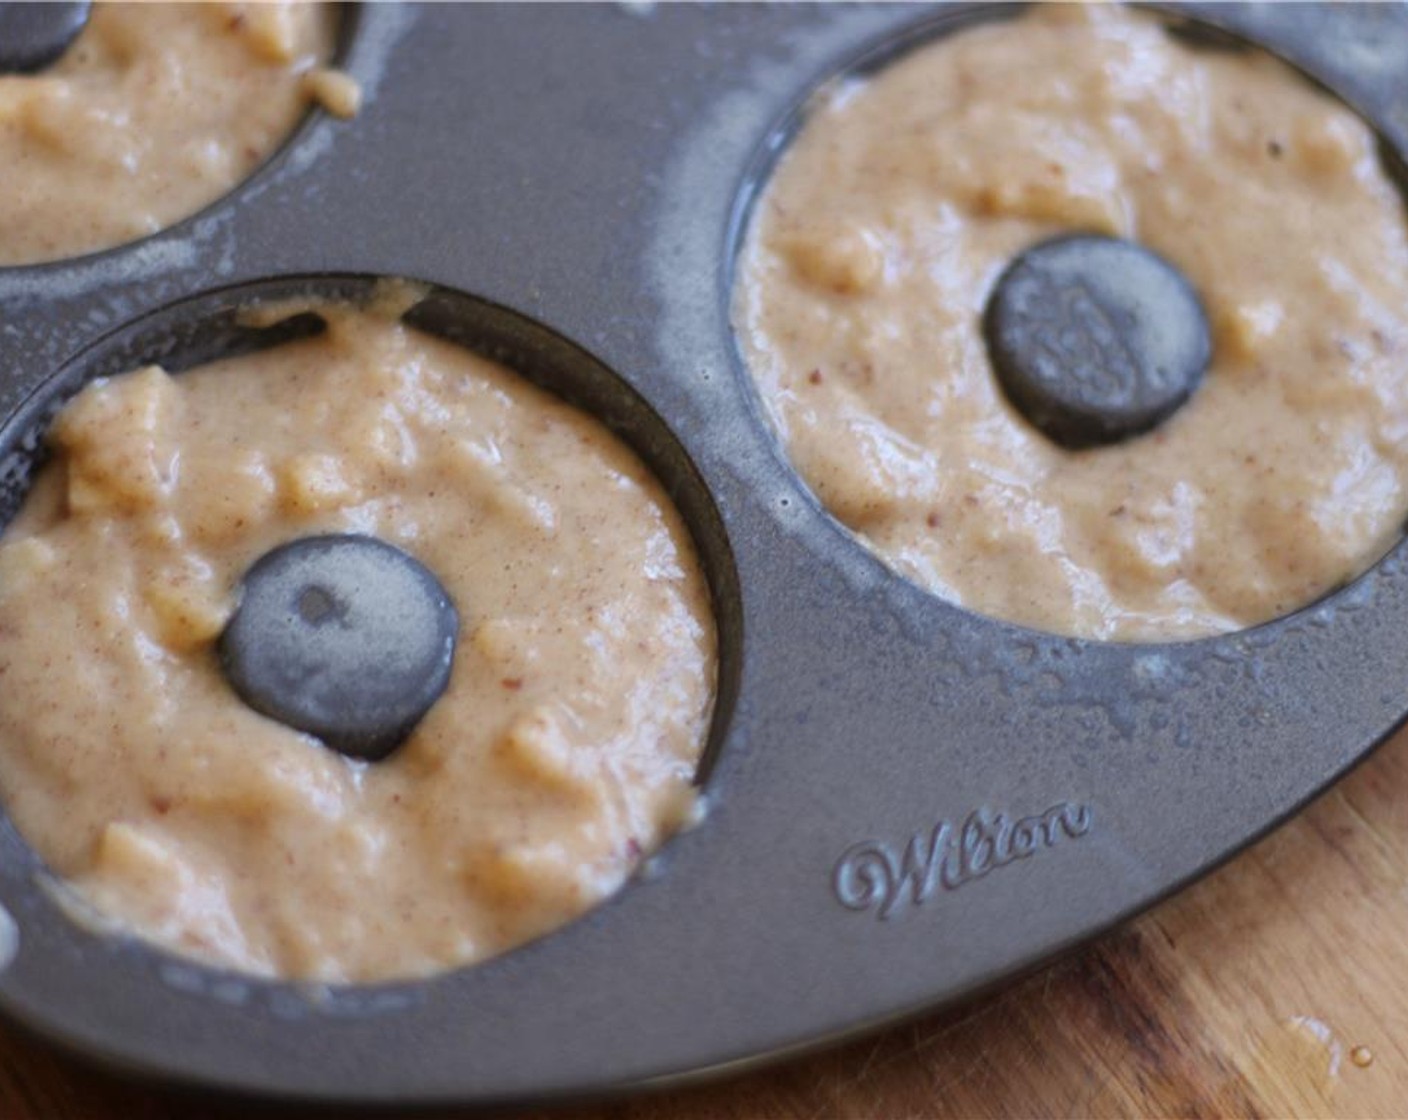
x=874, y=248
x=562, y=751
x=155, y=111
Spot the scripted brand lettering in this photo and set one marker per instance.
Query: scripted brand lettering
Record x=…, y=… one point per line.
x=875, y=875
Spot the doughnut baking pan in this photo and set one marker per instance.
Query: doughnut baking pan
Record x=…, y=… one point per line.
x=906, y=802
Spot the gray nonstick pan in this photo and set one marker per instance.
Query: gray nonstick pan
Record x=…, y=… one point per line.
x=906, y=802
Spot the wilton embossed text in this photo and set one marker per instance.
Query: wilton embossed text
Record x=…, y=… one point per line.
x=875, y=875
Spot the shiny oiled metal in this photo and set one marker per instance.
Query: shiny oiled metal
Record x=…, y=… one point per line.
x=1095, y=339
x=33, y=35
x=343, y=636
x=907, y=802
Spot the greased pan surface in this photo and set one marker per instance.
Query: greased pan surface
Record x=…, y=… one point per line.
x=906, y=802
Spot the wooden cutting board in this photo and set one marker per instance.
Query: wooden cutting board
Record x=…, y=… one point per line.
x=1277, y=987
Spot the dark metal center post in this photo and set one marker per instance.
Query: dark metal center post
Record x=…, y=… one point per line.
x=33, y=35
x=1095, y=339
x=345, y=637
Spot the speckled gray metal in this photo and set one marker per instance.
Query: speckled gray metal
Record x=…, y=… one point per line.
x=907, y=802
x=33, y=34
x=343, y=636
x=1095, y=339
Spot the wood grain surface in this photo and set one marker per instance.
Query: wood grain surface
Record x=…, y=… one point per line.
x=1276, y=987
